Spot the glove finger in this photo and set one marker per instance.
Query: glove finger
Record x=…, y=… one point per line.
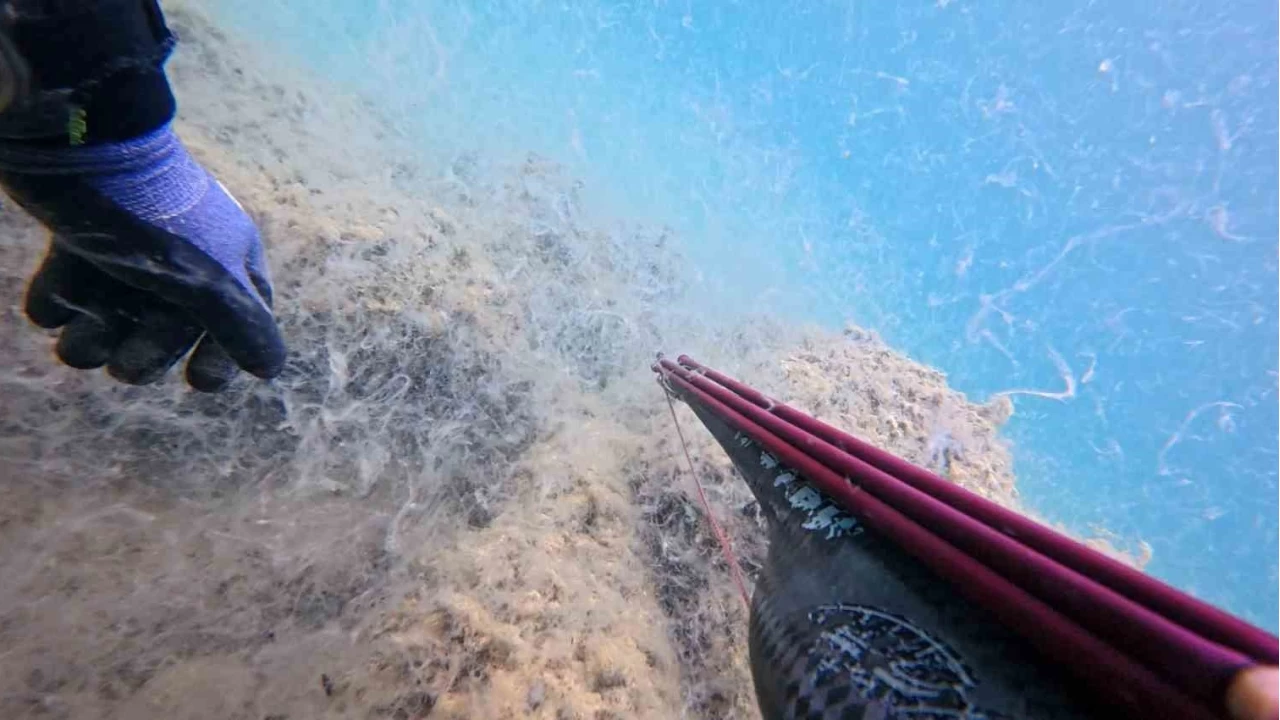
x=158, y=342
x=210, y=368
x=256, y=268
x=87, y=341
x=46, y=305
x=244, y=328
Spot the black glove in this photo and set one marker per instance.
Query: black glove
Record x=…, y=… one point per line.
x=150, y=257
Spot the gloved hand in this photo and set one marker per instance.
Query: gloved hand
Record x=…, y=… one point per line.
x=150, y=257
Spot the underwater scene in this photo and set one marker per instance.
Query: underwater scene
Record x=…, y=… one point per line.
x=1030, y=247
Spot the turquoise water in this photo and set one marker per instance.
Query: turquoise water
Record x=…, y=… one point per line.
x=1077, y=201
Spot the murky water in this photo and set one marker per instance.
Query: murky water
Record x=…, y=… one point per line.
x=464, y=495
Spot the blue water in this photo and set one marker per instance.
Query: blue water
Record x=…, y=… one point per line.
x=1017, y=194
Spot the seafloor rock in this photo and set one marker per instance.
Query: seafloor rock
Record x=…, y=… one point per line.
x=860, y=384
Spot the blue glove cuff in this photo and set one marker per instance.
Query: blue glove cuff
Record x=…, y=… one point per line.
x=154, y=178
